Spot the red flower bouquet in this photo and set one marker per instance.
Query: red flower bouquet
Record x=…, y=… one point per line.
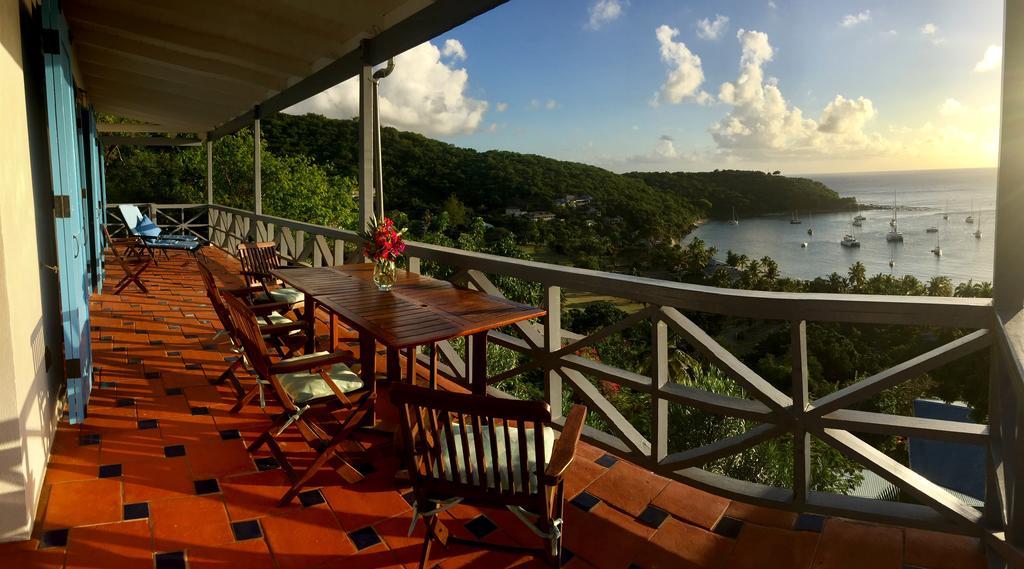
x=384, y=246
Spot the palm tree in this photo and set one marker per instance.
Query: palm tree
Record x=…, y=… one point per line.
x=940, y=286
x=770, y=270
x=858, y=275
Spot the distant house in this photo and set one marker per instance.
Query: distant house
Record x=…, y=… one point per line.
x=513, y=211
x=540, y=215
x=957, y=467
x=574, y=201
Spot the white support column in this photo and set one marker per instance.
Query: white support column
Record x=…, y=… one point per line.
x=257, y=183
x=366, y=136
x=1008, y=273
x=553, y=343
x=659, y=405
x=209, y=172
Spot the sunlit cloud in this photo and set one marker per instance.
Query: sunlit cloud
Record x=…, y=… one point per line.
x=851, y=20
x=991, y=60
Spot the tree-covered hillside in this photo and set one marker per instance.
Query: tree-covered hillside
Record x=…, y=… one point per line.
x=750, y=192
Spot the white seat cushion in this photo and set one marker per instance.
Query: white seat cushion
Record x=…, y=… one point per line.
x=548, y=437
x=285, y=294
x=304, y=386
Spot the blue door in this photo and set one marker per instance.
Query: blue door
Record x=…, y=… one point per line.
x=95, y=201
x=66, y=161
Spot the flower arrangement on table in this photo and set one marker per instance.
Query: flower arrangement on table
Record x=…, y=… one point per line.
x=384, y=246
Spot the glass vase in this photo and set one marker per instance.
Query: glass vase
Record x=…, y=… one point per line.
x=384, y=275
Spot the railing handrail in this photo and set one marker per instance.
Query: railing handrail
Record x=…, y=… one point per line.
x=825, y=307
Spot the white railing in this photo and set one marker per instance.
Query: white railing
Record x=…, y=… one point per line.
x=556, y=353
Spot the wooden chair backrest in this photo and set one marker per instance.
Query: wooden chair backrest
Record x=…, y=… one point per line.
x=257, y=260
x=213, y=293
x=431, y=418
x=247, y=332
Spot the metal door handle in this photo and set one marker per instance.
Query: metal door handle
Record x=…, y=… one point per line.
x=54, y=268
x=78, y=247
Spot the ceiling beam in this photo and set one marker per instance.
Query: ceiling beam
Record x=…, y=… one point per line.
x=428, y=23
x=108, y=49
x=246, y=51
x=105, y=127
x=149, y=75
x=112, y=140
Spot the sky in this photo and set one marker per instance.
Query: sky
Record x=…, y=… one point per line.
x=801, y=86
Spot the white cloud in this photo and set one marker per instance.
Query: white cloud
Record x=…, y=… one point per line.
x=991, y=61
x=950, y=107
x=929, y=29
x=851, y=20
x=547, y=105
x=665, y=147
x=772, y=5
x=602, y=12
x=424, y=94
x=501, y=107
x=712, y=30
x=685, y=75
x=762, y=123
x=453, y=49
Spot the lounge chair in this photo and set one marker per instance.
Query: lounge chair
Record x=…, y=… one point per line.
x=140, y=225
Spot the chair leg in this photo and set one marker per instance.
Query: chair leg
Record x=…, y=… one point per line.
x=245, y=399
x=435, y=530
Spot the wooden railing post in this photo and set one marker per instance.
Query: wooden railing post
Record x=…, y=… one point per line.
x=553, y=343
x=801, y=438
x=414, y=265
x=659, y=405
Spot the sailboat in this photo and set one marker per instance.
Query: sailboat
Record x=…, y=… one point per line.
x=970, y=218
x=937, y=251
x=810, y=218
x=932, y=229
x=859, y=216
x=977, y=234
x=850, y=240
x=894, y=235
x=734, y=221
x=945, y=214
x=795, y=218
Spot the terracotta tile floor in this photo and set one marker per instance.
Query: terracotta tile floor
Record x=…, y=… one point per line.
x=158, y=476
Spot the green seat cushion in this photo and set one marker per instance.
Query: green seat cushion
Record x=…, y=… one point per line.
x=548, y=436
x=275, y=318
x=305, y=386
x=285, y=294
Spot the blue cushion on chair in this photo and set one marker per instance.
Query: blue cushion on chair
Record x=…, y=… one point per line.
x=147, y=228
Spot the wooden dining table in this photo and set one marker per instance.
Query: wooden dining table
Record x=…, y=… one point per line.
x=418, y=311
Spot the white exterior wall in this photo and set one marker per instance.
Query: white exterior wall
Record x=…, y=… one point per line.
x=28, y=391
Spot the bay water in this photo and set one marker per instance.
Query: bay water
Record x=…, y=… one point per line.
x=921, y=197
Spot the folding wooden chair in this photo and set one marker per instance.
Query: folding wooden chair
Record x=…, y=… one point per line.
x=487, y=451
x=132, y=262
x=284, y=334
x=258, y=260
x=322, y=398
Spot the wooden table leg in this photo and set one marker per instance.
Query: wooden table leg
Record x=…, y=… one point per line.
x=310, y=308
x=478, y=363
x=394, y=363
x=333, y=323
x=368, y=366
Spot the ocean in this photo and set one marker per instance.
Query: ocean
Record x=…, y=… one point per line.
x=922, y=198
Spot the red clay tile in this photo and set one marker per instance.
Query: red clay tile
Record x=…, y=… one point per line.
x=936, y=550
x=604, y=537
x=84, y=502
x=579, y=475
x=189, y=522
x=24, y=555
x=853, y=545
x=690, y=504
x=218, y=458
x=763, y=547
x=363, y=504
x=125, y=545
x=761, y=516
x=677, y=544
x=306, y=538
x=628, y=487
x=157, y=479
x=249, y=554
x=253, y=495
x=131, y=445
